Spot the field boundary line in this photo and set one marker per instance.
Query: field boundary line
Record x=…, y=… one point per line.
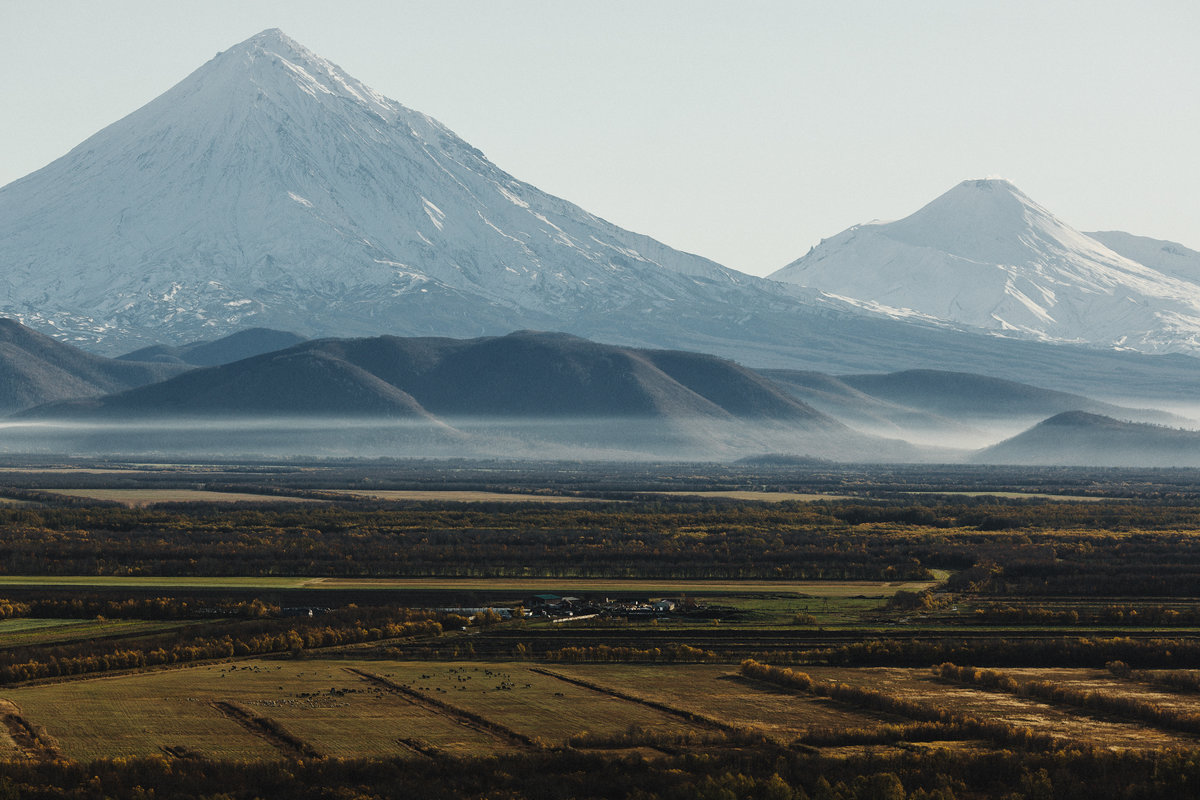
x=421, y=747
x=466, y=718
x=278, y=736
x=180, y=752
x=691, y=716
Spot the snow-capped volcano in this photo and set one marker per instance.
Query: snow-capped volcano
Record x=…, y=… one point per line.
x=986, y=255
x=270, y=188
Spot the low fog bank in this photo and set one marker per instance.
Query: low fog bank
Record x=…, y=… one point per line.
x=952, y=438
x=1068, y=439
x=699, y=439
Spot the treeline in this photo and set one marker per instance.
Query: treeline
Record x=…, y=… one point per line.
x=1059, y=549
x=1105, y=549
x=638, y=540
x=1179, y=680
x=1142, y=615
x=293, y=636
x=602, y=653
x=1050, y=651
x=1094, y=700
x=885, y=733
x=749, y=771
x=158, y=608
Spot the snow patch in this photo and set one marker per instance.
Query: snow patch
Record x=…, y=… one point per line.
x=435, y=214
x=512, y=198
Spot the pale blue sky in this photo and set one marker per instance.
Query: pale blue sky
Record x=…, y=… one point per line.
x=743, y=131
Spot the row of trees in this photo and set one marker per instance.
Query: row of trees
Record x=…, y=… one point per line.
x=1123, y=614
x=1109, y=548
x=748, y=771
x=603, y=653
x=350, y=626
x=1094, y=700
x=954, y=726
x=1039, y=651
x=158, y=608
x=620, y=541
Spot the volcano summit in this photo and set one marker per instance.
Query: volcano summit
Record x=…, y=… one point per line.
x=270, y=188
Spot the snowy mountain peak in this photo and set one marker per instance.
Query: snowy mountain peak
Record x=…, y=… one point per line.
x=986, y=255
x=261, y=56
x=985, y=197
x=986, y=220
x=270, y=188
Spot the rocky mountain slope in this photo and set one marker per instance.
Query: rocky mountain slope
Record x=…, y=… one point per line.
x=36, y=369
x=271, y=188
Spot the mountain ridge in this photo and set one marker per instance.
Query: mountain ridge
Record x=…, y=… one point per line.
x=523, y=374
x=527, y=392
x=210, y=353
x=36, y=369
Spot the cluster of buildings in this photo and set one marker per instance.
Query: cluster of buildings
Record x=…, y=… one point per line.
x=562, y=609
x=556, y=607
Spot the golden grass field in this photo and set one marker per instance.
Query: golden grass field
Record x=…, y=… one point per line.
x=333, y=709
x=919, y=684
x=455, y=496
x=767, y=497
x=139, y=498
x=1064, y=498
x=350, y=708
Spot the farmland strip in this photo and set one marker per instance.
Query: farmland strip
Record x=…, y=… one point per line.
x=995, y=730
x=288, y=743
x=460, y=715
x=1079, y=699
x=690, y=716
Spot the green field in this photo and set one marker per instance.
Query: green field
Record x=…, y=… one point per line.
x=24, y=632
